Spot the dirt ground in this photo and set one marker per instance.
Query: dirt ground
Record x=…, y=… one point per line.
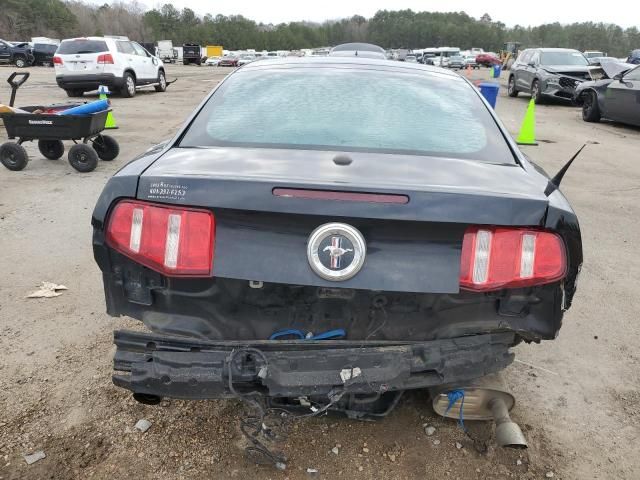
x=578, y=397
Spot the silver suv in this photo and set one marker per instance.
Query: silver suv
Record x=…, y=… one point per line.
x=548, y=72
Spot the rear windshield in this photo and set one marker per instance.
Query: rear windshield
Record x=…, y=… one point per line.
x=69, y=47
x=45, y=47
x=563, y=58
x=347, y=109
x=350, y=47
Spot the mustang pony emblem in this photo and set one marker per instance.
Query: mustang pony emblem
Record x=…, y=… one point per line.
x=336, y=251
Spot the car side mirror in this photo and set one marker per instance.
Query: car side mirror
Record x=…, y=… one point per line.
x=532, y=64
x=618, y=77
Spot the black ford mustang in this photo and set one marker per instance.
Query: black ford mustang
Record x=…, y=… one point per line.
x=360, y=226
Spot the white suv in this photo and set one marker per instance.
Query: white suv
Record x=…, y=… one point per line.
x=83, y=64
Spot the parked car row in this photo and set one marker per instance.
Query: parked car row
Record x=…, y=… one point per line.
x=608, y=90
x=460, y=62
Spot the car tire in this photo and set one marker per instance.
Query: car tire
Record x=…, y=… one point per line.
x=75, y=93
x=512, y=91
x=20, y=62
x=13, y=156
x=162, y=82
x=83, y=158
x=128, y=85
x=51, y=149
x=536, y=93
x=590, y=107
x=106, y=147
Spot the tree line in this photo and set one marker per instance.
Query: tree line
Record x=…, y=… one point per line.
x=23, y=19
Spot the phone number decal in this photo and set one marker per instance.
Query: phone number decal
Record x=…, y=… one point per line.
x=167, y=191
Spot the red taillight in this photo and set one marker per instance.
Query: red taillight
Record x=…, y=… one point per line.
x=172, y=240
x=501, y=257
x=105, y=58
x=57, y=60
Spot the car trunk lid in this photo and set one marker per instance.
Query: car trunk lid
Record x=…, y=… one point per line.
x=262, y=236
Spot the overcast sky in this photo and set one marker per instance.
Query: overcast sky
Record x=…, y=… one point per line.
x=529, y=13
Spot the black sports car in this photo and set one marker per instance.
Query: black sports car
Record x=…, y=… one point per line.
x=335, y=238
x=616, y=96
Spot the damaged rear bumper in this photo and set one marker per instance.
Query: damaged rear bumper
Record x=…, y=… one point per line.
x=187, y=368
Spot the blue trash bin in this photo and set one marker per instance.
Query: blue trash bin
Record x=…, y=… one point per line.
x=497, y=70
x=490, y=92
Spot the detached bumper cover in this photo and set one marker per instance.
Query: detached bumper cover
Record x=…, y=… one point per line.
x=181, y=367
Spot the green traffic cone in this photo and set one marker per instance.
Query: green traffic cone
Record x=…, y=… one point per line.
x=527, y=134
x=111, y=122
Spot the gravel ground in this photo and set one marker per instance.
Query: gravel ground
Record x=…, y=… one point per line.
x=579, y=406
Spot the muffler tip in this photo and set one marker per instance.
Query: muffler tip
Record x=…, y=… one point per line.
x=508, y=433
x=147, y=399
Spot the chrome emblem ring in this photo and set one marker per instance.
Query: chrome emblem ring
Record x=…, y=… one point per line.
x=336, y=251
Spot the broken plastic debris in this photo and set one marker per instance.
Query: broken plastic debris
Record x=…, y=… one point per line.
x=349, y=373
x=47, y=290
x=34, y=457
x=312, y=470
x=143, y=425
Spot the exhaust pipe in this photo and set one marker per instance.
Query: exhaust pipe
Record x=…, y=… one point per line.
x=508, y=433
x=486, y=398
x=147, y=399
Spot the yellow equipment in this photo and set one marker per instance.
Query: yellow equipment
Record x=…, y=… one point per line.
x=510, y=50
x=213, y=51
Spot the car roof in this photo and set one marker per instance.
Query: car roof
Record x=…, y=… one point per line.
x=354, y=62
x=548, y=49
x=104, y=39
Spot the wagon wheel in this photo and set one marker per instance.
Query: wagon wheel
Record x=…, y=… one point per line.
x=83, y=158
x=106, y=147
x=13, y=156
x=51, y=149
